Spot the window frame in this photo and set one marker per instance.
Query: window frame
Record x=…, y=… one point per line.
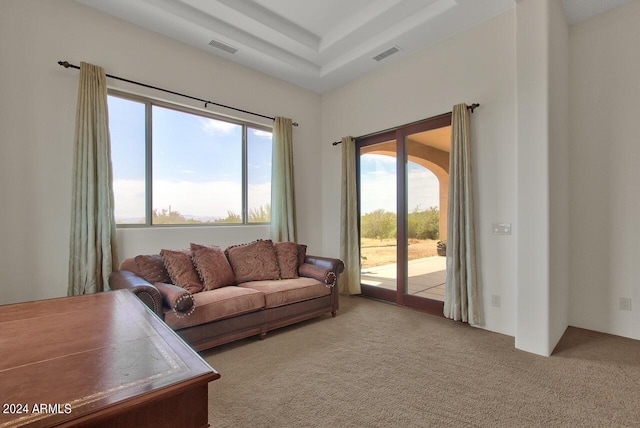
x=149, y=103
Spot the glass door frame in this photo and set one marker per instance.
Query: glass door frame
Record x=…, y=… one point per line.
x=399, y=134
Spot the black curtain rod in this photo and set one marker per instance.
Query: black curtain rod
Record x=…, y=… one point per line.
x=66, y=64
x=472, y=107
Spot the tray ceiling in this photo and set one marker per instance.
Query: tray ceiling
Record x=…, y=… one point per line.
x=316, y=44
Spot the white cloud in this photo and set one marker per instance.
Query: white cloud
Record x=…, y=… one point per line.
x=259, y=195
x=424, y=190
x=378, y=191
x=211, y=199
x=215, y=198
x=129, y=198
x=207, y=199
x=217, y=127
x=386, y=160
x=260, y=133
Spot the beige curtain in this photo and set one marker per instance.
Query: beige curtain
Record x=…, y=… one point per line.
x=93, y=230
x=349, y=246
x=283, y=203
x=460, y=302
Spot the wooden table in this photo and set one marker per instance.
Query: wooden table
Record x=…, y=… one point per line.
x=101, y=360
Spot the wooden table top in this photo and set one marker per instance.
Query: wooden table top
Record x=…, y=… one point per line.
x=73, y=358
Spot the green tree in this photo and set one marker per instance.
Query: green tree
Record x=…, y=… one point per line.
x=170, y=217
x=261, y=214
x=379, y=224
x=230, y=218
x=424, y=224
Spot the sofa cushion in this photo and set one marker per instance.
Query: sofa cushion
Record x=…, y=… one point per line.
x=287, y=255
x=151, y=268
x=285, y=291
x=255, y=261
x=181, y=270
x=212, y=266
x=212, y=305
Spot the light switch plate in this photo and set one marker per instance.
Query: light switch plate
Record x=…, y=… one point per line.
x=625, y=303
x=501, y=228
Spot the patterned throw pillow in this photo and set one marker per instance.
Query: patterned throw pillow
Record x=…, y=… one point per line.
x=302, y=254
x=287, y=255
x=212, y=266
x=181, y=270
x=151, y=268
x=255, y=261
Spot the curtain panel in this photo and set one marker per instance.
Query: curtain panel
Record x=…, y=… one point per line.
x=92, y=251
x=349, y=245
x=461, y=293
x=283, y=203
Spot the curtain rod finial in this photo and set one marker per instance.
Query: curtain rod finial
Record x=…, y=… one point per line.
x=473, y=106
x=64, y=64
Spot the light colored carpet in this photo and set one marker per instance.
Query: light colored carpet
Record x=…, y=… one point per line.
x=378, y=365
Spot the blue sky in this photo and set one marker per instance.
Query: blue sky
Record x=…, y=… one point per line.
x=197, y=162
x=378, y=185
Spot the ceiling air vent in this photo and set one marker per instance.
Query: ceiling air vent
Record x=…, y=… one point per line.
x=387, y=53
x=219, y=45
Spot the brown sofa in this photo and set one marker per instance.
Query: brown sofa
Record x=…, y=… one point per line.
x=220, y=305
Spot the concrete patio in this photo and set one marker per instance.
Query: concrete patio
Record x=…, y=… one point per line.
x=426, y=277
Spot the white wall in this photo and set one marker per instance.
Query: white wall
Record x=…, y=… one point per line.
x=532, y=46
x=605, y=153
x=543, y=207
x=37, y=119
x=475, y=66
x=559, y=222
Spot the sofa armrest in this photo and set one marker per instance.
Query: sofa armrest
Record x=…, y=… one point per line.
x=323, y=269
x=328, y=265
x=147, y=292
x=176, y=298
x=334, y=265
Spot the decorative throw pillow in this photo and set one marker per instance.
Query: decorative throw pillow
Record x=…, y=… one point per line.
x=181, y=270
x=255, y=261
x=302, y=254
x=212, y=266
x=287, y=255
x=176, y=298
x=152, y=269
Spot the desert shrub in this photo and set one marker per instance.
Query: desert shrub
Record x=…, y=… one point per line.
x=424, y=224
x=381, y=224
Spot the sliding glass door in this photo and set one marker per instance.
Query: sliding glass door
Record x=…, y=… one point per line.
x=378, y=203
x=403, y=186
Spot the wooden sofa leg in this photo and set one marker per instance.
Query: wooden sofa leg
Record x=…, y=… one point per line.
x=333, y=314
x=263, y=335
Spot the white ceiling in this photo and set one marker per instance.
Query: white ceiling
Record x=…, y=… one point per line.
x=580, y=10
x=318, y=44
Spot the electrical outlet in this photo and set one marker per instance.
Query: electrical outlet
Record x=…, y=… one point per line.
x=495, y=300
x=501, y=228
x=625, y=303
